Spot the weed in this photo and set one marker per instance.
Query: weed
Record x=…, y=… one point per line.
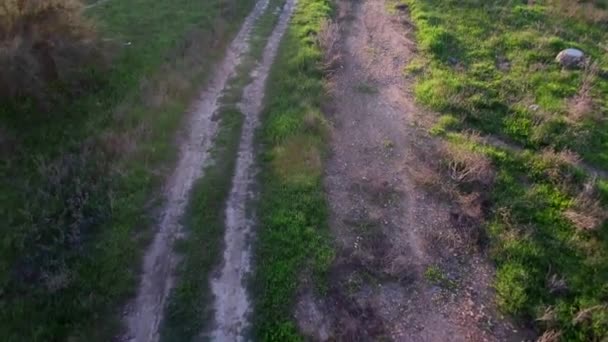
x=329, y=40
x=388, y=144
x=435, y=276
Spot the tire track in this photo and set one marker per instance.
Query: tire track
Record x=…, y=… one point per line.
x=232, y=305
x=144, y=314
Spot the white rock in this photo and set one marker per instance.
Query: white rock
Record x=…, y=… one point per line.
x=570, y=58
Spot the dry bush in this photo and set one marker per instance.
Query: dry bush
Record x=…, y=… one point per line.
x=550, y=336
x=582, y=105
x=586, y=10
x=465, y=166
x=329, y=41
x=587, y=213
x=44, y=43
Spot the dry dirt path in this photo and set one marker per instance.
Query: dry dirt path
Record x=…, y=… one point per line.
x=232, y=306
x=391, y=279
x=144, y=314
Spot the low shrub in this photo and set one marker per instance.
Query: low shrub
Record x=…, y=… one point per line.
x=45, y=46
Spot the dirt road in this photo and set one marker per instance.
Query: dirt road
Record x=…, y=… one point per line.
x=232, y=305
x=390, y=280
x=144, y=315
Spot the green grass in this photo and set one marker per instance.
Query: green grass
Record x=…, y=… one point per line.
x=483, y=64
x=489, y=61
x=78, y=181
x=189, y=310
x=292, y=235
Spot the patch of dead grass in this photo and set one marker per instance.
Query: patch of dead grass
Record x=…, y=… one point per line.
x=582, y=105
x=329, y=41
x=587, y=212
x=550, y=336
x=588, y=11
x=465, y=166
x=463, y=176
x=298, y=160
x=559, y=166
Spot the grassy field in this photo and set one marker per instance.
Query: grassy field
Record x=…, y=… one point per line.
x=489, y=66
x=78, y=181
x=190, y=305
x=292, y=236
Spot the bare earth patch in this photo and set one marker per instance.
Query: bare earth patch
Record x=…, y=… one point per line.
x=401, y=272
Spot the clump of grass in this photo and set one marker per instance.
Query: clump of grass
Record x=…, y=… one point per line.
x=45, y=46
x=437, y=277
x=560, y=167
x=582, y=106
x=328, y=39
x=444, y=124
x=587, y=212
x=550, y=336
x=467, y=166
x=292, y=238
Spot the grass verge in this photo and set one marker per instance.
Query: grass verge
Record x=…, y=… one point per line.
x=292, y=235
x=190, y=305
x=78, y=181
x=489, y=66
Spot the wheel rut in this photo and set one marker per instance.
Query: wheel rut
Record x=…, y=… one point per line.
x=232, y=304
x=144, y=314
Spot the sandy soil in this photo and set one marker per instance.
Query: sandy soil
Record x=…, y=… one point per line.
x=385, y=225
x=144, y=314
x=232, y=305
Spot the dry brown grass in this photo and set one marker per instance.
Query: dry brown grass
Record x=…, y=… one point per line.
x=550, y=336
x=559, y=166
x=465, y=166
x=582, y=106
x=587, y=10
x=585, y=315
x=548, y=317
x=329, y=41
x=44, y=43
x=587, y=212
x=463, y=176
